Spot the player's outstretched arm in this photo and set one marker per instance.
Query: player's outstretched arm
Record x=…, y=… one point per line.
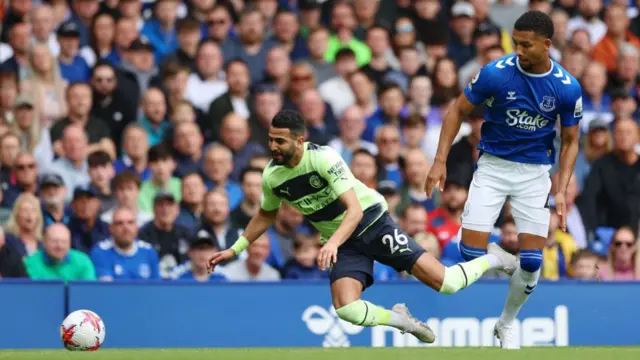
x=351, y=219
x=256, y=227
x=568, y=154
x=450, y=128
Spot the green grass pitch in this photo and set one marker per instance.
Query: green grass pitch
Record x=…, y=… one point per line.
x=568, y=353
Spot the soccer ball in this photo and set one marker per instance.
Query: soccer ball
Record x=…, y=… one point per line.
x=82, y=330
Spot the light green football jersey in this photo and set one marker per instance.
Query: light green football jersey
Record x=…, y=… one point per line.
x=313, y=187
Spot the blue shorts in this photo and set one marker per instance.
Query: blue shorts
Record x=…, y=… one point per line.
x=384, y=241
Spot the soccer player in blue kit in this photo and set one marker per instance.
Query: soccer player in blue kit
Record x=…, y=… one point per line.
x=524, y=95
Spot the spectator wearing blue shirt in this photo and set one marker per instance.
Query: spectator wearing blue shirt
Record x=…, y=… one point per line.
x=201, y=249
x=53, y=193
x=391, y=102
x=220, y=22
x=161, y=28
x=191, y=207
x=154, y=122
x=286, y=29
x=135, y=145
x=123, y=256
x=82, y=14
x=303, y=264
x=102, y=34
x=73, y=67
x=189, y=37
x=250, y=45
x=85, y=225
x=217, y=168
x=388, y=143
x=25, y=171
x=461, y=47
x=19, y=40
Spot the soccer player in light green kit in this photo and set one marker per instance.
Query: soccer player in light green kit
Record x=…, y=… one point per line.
x=356, y=229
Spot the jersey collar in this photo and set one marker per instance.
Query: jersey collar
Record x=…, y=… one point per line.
x=130, y=253
x=534, y=75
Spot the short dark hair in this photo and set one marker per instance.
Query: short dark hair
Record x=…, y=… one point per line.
x=159, y=152
x=582, y=254
x=187, y=23
x=364, y=152
x=411, y=206
x=378, y=27
x=192, y=173
x=98, y=158
x=289, y=119
x=536, y=21
x=496, y=47
x=77, y=83
x=249, y=170
x=124, y=178
x=236, y=60
x=345, y=53
x=388, y=86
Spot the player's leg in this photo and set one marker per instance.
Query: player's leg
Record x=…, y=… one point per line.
x=449, y=280
x=530, y=210
x=487, y=194
x=353, y=273
x=390, y=245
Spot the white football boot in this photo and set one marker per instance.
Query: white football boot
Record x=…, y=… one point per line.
x=417, y=328
x=507, y=336
x=509, y=261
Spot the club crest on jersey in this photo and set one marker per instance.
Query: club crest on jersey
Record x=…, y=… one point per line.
x=548, y=103
x=315, y=182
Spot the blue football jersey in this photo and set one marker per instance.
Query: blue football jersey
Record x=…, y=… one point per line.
x=139, y=263
x=521, y=109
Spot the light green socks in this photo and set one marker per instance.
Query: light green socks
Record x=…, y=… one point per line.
x=364, y=313
x=462, y=275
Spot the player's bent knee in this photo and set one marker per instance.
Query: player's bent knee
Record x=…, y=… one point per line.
x=530, y=260
x=359, y=312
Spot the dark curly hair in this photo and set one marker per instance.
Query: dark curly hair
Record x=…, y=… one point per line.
x=536, y=21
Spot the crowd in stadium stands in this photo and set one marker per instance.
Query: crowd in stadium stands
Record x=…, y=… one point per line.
x=134, y=133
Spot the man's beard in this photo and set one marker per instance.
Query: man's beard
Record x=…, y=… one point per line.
x=286, y=157
x=53, y=201
x=452, y=209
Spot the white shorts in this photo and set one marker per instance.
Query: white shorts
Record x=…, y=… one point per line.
x=526, y=186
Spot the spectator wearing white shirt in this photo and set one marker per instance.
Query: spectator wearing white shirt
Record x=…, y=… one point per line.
x=254, y=267
x=336, y=91
x=587, y=19
x=73, y=167
x=42, y=23
x=208, y=82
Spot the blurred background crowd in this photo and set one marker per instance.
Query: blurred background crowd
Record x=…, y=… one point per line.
x=133, y=133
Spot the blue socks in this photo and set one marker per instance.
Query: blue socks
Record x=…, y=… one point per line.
x=530, y=260
x=469, y=253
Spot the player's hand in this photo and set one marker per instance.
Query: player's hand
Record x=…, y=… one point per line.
x=561, y=209
x=328, y=255
x=437, y=176
x=220, y=257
